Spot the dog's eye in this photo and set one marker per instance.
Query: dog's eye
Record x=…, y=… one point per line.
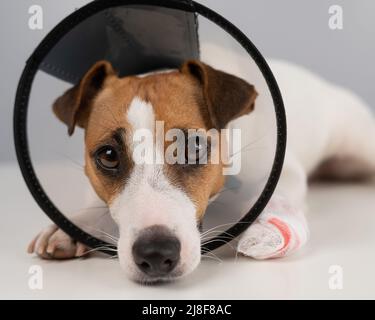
x=107, y=158
x=196, y=150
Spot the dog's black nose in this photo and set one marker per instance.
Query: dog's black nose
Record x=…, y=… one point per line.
x=156, y=251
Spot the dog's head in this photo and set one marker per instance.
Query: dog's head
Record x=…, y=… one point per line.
x=158, y=206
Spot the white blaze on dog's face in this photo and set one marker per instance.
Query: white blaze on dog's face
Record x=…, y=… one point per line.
x=158, y=207
x=151, y=205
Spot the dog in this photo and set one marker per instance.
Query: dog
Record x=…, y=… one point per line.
x=157, y=208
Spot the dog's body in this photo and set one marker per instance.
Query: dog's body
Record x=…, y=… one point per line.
x=330, y=133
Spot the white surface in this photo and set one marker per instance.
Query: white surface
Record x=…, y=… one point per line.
x=342, y=222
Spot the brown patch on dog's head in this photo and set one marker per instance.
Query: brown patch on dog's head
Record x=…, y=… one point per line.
x=196, y=96
x=226, y=97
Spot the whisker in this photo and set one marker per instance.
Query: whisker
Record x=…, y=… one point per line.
x=227, y=238
x=216, y=227
x=268, y=132
x=224, y=190
x=98, y=249
x=236, y=256
x=214, y=233
x=220, y=240
x=212, y=258
x=77, y=164
x=110, y=236
x=211, y=255
x=223, y=225
x=248, y=150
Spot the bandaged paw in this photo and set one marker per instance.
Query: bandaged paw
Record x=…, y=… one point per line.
x=279, y=231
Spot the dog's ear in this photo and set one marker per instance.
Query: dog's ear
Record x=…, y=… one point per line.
x=227, y=97
x=74, y=106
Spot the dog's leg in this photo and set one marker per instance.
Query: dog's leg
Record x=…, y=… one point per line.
x=53, y=243
x=351, y=152
x=281, y=228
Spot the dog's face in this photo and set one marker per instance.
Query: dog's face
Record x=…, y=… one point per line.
x=158, y=206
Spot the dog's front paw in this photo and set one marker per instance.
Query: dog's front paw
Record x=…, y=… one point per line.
x=279, y=231
x=266, y=239
x=53, y=243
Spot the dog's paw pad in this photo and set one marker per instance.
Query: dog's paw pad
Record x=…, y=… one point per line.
x=53, y=243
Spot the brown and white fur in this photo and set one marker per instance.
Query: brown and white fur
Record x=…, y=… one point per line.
x=330, y=132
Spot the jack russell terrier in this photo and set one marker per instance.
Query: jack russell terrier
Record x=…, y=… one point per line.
x=157, y=207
